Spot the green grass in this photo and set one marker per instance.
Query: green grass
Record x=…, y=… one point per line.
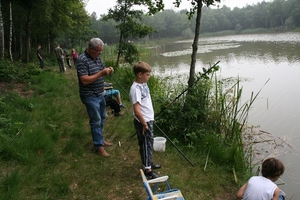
x=46, y=150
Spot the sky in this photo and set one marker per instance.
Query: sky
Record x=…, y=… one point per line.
x=102, y=6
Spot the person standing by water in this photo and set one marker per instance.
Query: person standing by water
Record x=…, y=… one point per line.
x=60, y=58
x=91, y=72
x=38, y=53
x=143, y=116
x=74, y=56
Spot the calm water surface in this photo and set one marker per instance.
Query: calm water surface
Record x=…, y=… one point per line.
x=255, y=58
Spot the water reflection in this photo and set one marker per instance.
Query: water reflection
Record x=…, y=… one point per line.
x=175, y=58
x=255, y=58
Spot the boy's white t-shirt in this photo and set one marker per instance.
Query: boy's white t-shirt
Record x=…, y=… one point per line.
x=140, y=93
x=259, y=188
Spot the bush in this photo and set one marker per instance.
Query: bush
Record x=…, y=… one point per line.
x=17, y=71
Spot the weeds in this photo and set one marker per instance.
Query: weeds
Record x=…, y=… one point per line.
x=46, y=150
x=212, y=122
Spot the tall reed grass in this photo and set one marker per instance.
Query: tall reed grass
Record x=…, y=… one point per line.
x=46, y=150
x=212, y=122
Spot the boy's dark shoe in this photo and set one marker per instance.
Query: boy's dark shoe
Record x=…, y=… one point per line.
x=151, y=175
x=155, y=166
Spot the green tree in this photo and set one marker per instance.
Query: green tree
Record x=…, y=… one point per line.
x=196, y=8
x=130, y=25
x=260, y=15
x=209, y=23
x=1, y=34
x=32, y=22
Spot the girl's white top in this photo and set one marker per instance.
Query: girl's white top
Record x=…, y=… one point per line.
x=259, y=188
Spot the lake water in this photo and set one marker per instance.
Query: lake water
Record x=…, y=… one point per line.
x=256, y=59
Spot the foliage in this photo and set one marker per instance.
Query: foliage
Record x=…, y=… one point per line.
x=130, y=26
x=46, y=23
x=48, y=154
x=212, y=121
x=171, y=23
x=11, y=71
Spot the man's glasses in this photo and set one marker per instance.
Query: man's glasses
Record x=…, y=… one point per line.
x=98, y=51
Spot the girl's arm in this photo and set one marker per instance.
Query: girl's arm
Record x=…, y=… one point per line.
x=241, y=191
x=276, y=194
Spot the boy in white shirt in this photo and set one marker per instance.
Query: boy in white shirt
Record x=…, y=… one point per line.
x=143, y=116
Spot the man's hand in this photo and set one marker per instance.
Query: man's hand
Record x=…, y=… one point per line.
x=110, y=70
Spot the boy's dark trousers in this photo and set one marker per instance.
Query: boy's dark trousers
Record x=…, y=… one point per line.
x=145, y=142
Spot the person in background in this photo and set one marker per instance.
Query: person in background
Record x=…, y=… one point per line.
x=68, y=59
x=113, y=104
x=38, y=53
x=74, y=56
x=90, y=73
x=110, y=91
x=143, y=116
x=263, y=187
x=60, y=58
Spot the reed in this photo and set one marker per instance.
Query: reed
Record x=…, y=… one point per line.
x=212, y=122
x=46, y=150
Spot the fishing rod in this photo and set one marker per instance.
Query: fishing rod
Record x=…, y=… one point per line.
x=201, y=75
x=173, y=143
x=118, y=83
x=158, y=129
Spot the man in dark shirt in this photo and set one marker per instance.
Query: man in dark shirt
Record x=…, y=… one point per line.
x=38, y=53
x=91, y=72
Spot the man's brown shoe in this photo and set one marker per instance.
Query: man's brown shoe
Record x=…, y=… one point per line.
x=102, y=152
x=107, y=144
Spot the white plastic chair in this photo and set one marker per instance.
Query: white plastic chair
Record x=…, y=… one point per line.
x=166, y=195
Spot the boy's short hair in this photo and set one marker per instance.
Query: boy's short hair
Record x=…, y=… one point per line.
x=272, y=168
x=141, y=67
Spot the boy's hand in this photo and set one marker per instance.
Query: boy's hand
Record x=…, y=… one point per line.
x=145, y=128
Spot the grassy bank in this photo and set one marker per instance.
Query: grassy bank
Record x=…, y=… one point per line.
x=46, y=149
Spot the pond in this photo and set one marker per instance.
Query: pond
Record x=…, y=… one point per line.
x=270, y=64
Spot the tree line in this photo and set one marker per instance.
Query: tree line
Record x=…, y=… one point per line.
x=276, y=15
x=24, y=24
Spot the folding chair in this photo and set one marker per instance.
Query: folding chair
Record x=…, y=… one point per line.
x=166, y=195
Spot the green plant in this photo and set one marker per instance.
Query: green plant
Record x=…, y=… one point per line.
x=48, y=142
x=10, y=185
x=212, y=122
x=17, y=71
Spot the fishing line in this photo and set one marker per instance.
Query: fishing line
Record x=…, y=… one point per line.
x=201, y=75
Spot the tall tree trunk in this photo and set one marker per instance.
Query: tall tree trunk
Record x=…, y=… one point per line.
x=10, y=32
x=195, y=45
x=1, y=35
x=121, y=39
x=21, y=46
x=28, y=35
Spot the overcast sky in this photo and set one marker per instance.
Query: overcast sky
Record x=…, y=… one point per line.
x=101, y=6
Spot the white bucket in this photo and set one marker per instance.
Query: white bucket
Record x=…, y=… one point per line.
x=159, y=144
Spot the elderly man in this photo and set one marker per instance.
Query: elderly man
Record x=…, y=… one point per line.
x=91, y=72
